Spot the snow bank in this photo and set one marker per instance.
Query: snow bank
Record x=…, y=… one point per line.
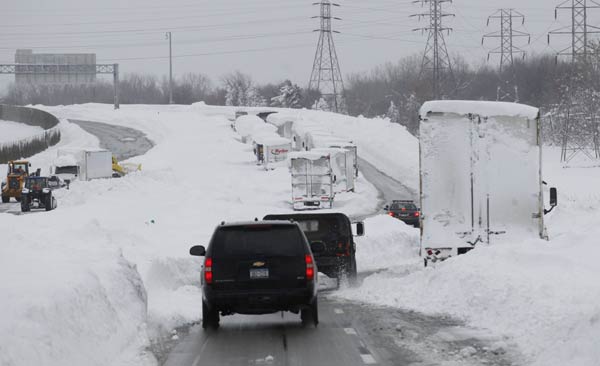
x=14, y=131
x=64, y=303
x=388, y=243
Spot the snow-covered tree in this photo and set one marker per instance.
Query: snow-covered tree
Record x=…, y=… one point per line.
x=290, y=96
x=239, y=88
x=393, y=113
x=321, y=105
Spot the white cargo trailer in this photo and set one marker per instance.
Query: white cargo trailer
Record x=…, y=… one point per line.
x=481, y=176
x=312, y=180
x=342, y=167
x=271, y=150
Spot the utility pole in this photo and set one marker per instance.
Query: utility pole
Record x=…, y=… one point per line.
x=507, y=90
x=170, y=37
x=326, y=75
x=580, y=126
x=436, y=57
x=579, y=30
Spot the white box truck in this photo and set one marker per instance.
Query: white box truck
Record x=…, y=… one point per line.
x=82, y=164
x=312, y=180
x=481, y=176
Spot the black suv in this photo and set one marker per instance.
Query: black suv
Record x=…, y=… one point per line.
x=334, y=231
x=258, y=267
x=405, y=211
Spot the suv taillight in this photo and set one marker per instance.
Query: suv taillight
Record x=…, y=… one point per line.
x=208, y=274
x=310, y=267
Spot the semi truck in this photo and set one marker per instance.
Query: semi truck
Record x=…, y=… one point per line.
x=480, y=176
x=82, y=164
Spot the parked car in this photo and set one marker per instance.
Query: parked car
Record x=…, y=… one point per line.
x=258, y=267
x=334, y=231
x=404, y=210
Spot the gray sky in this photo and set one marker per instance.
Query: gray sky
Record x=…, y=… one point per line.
x=269, y=39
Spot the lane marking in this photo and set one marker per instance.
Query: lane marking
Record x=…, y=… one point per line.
x=338, y=311
x=197, y=360
x=350, y=331
x=368, y=359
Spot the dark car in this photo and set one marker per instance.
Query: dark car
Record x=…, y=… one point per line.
x=258, y=267
x=334, y=230
x=37, y=194
x=406, y=211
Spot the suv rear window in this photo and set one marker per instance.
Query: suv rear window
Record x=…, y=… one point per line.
x=399, y=206
x=253, y=240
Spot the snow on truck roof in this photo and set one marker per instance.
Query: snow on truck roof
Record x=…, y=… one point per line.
x=481, y=108
x=309, y=155
x=271, y=140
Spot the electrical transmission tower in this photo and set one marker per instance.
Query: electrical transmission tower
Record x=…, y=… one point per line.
x=580, y=127
x=326, y=75
x=507, y=90
x=579, y=30
x=436, y=58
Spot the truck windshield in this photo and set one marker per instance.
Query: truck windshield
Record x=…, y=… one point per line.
x=66, y=169
x=36, y=184
x=19, y=168
x=257, y=240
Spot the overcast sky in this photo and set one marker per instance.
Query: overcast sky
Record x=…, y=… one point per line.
x=269, y=39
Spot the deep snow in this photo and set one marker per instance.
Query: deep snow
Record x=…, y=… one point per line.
x=14, y=131
x=93, y=281
x=118, y=248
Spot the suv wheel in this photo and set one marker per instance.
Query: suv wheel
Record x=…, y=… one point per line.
x=352, y=272
x=310, y=314
x=210, y=318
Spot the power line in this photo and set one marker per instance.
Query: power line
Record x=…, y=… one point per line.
x=326, y=75
x=579, y=30
x=507, y=90
x=436, y=57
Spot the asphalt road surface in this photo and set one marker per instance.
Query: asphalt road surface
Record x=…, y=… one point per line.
x=349, y=334
x=123, y=142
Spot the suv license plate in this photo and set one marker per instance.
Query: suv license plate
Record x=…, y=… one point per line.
x=259, y=273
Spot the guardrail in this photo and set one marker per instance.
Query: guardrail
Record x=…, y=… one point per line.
x=32, y=145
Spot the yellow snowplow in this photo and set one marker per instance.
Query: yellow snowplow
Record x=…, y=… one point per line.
x=122, y=169
x=15, y=178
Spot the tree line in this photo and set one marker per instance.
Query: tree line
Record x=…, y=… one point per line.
x=393, y=90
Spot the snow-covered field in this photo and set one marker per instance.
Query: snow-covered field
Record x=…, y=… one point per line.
x=13, y=131
x=93, y=282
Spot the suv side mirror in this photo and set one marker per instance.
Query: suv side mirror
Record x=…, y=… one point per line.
x=198, y=250
x=553, y=197
x=360, y=229
x=317, y=247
